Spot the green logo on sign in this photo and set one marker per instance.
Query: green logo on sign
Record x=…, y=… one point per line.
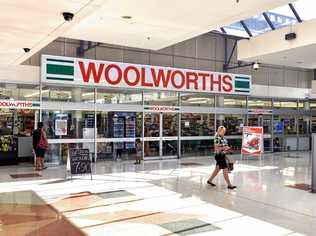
x=57, y=69
x=242, y=84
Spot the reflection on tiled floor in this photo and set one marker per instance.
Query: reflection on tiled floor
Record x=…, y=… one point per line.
x=118, y=204
x=24, y=213
x=26, y=175
x=169, y=199
x=305, y=187
x=191, y=164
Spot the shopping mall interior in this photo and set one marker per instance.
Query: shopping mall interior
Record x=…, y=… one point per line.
x=101, y=76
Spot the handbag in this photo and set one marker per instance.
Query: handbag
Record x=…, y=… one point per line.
x=230, y=165
x=43, y=144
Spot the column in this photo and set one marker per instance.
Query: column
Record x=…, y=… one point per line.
x=220, y=104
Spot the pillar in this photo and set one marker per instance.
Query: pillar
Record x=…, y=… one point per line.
x=220, y=104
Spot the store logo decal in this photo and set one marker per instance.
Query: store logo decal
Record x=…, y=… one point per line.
x=57, y=69
x=242, y=84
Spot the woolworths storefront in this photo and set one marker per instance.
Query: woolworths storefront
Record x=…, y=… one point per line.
x=104, y=106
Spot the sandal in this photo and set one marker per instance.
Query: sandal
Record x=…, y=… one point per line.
x=210, y=183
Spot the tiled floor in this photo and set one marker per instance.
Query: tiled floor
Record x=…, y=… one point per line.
x=162, y=198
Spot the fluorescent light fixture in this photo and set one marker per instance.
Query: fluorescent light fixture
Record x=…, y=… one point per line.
x=87, y=94
x=35, y=94
x=197, y=99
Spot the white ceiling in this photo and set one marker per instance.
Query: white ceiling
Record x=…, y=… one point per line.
x=35, y=23
x=272, y=48
x=158, y=24
x=154, y=24
x=301, y=57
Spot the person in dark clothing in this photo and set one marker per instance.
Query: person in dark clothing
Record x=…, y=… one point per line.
x=138, y=147
x=40, y=146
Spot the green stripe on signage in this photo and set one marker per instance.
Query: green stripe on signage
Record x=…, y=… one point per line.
x=57, y=78
x=59, y=69
x=242, y=91
x=57, y=60
x=242, y=84
x=242, y=78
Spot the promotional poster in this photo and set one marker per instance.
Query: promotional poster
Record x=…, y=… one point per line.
x=252, y=140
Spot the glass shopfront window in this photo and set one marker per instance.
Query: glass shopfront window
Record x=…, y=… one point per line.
x=119, y=124
x=195, y=124
x=118, y=97
x=259, y=103
x=303, y=125
x=261, y=120
x=161, y=98
x=231, y=101
x=68, y=94
x=289, y=124
x=197, y=148
x=312, y=104
x=57, y=153
x=190, y=99
x=279, y=104
x=19, y=92
x=235, y=144
x=170, y=124
x=69, y=124
x=151, y=124
x=233, y=123
x=301, y=104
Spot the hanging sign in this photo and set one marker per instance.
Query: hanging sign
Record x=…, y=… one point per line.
x=19, y=104
x=161, y=109
x=252, y=140
x=260, y=111
x=79, y=71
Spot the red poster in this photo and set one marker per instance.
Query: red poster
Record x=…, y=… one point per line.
x=252, y=140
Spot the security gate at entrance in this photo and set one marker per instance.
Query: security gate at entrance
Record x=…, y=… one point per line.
x=161, y=131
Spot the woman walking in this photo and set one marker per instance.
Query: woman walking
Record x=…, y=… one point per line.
x=40, y=145
x=221, y=148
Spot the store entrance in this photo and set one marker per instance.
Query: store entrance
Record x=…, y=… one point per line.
x=16, y=127
x=161, y=135
x=266, y=122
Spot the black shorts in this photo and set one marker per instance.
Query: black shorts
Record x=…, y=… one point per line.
x=40, y=152
x=221, y=160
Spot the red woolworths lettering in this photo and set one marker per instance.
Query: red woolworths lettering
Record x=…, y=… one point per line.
x=144, y=82
x=227, y=83
x=160, y=77
x=127, y=77
x=91, y=69
x=217, y=82
x=173, y=79
x=108, y=77
x=203, y=75
x=193, y=80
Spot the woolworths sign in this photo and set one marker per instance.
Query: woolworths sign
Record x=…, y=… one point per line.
x=78, y=71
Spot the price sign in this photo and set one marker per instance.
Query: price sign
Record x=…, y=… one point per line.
x=80, y=162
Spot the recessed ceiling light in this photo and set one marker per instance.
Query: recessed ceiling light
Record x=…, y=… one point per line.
x=127, y=17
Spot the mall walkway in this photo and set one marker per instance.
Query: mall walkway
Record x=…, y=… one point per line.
x=161, y=198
